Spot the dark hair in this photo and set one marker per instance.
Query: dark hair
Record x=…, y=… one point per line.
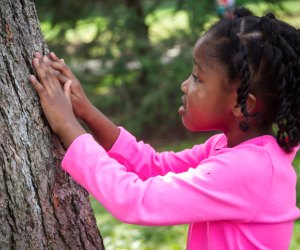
x=263, y=54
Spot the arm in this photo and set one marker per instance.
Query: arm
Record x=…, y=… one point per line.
x=205, y=193
x=136, y=156
x=142, y=158
x=104, y=130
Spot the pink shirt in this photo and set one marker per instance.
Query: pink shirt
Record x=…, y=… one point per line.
x=233, y=198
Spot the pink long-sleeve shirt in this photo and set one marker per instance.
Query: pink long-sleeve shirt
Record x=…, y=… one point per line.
x=233, y=198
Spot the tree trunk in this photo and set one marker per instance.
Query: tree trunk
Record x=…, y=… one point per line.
x=40, y=206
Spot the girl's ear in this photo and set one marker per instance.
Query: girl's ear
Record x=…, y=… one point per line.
x=251, y=104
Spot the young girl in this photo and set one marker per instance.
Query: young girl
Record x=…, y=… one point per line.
x=237, y=190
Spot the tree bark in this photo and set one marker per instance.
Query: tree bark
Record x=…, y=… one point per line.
x=40, y=206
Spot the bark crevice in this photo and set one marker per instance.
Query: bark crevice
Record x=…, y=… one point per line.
x=36, y=207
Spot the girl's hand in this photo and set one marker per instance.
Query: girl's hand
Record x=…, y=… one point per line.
x=80, y=103
x=104, y=130
x=55, y=101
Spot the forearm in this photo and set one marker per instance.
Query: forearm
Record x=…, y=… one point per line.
x=142, y=159
x=103, y=129
x=69, y=132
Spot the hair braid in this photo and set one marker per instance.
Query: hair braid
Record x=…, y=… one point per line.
x=263, y=54
x=283, y=37
x=281, y=115
x=240, y=64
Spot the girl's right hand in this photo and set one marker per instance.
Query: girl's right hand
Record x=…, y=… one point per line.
x=80, y=103
x=104, y=130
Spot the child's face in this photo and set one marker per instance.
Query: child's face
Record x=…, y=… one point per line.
x=207, y=103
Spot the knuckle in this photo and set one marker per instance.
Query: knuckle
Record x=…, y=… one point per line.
x=45, y=78
x=65, y=67
x=42, y=91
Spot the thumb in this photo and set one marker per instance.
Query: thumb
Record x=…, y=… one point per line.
x=67, y=90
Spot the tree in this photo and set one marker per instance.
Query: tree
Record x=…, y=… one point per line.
x=40, y=206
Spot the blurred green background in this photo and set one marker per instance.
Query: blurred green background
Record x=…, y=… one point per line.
x=131, y=57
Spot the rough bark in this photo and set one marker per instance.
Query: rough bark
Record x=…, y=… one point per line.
x=40, y=206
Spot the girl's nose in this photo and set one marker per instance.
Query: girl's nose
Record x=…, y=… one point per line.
x=184, y=86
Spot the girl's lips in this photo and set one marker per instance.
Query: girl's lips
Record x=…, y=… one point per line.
x=181, y=110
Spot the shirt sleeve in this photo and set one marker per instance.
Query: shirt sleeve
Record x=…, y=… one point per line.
x=215, y=190
x=142, y=159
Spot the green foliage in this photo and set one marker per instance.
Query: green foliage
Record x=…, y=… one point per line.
x=140, y=82
x=296, y=165
x=129, y=59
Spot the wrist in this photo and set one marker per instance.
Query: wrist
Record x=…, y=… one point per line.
x=86, y=111
x=70, y=130
x=89, y=113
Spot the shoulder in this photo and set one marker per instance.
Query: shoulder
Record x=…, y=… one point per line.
x=213, y=144
x=259, y=149
x=251, y=161
x=259, y=161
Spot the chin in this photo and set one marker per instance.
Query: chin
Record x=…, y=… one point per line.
x=189, y=127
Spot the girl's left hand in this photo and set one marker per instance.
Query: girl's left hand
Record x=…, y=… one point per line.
x=55, y=101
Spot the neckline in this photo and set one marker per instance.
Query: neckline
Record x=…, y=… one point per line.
x=222, y=142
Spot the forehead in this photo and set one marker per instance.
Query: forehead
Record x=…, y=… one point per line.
x=205, y=55
x=198, y=43
x=206, y=62
x=201, y=56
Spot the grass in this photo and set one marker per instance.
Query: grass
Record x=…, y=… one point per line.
x=120, y=236
x=295, y=244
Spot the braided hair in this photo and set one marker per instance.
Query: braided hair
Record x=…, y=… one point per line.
x=263, y=54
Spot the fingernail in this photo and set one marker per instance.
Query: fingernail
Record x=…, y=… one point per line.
x=35, y=60
x=45, y=58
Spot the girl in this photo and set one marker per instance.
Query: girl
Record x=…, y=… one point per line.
x=237, y=190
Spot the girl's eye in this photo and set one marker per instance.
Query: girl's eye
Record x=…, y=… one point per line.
x=196, y=79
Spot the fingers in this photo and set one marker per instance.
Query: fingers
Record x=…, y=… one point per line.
x=40, y=72
x=37, y=85
x=67, y=91
x=38, y=55
x=62, y=71
x=47, y=76
x=54, y=57
x=52, y=73
x=59, y=64
x=62, y=68
x=62, y=79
